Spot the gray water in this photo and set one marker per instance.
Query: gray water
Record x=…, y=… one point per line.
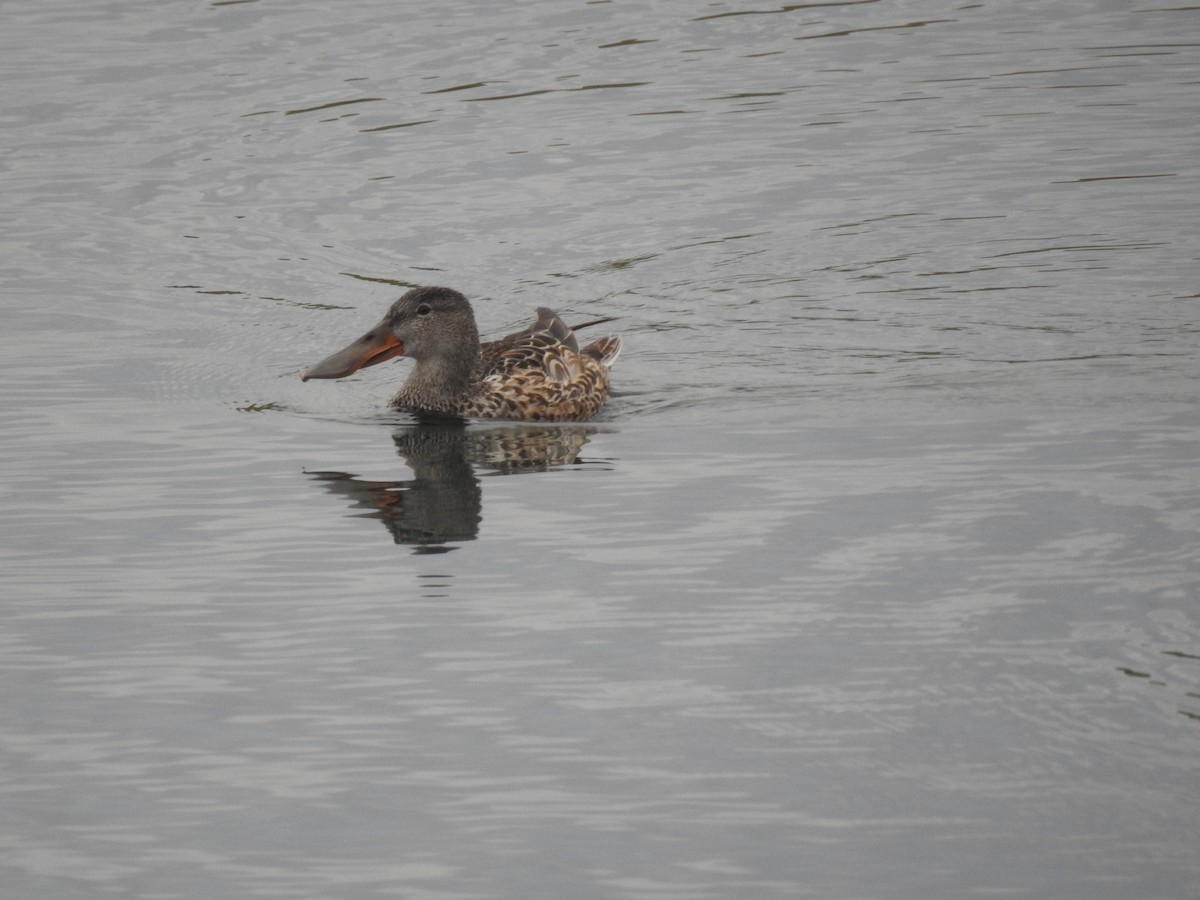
x=876, y=578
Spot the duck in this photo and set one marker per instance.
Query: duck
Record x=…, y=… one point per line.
x=537, y=374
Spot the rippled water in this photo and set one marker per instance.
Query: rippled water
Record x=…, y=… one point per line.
x=876, y=578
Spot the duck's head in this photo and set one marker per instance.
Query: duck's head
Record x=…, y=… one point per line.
x=427, y=322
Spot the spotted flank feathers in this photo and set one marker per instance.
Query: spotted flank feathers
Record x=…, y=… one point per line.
x=538, y=374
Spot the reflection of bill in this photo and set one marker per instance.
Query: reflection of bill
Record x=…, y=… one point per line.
x=442, y=503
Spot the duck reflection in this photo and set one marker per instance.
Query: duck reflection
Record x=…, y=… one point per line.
x=443, y=502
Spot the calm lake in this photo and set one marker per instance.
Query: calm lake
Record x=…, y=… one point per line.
x=877, y=577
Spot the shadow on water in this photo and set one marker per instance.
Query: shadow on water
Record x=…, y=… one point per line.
x=443, y=502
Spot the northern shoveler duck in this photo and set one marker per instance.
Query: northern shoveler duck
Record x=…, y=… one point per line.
x=539, y=374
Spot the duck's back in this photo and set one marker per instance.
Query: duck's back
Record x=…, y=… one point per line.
x=541, y=374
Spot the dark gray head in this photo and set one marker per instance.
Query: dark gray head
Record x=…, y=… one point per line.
x=433, y=324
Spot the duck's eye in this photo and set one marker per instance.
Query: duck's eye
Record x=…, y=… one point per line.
x=423, y=309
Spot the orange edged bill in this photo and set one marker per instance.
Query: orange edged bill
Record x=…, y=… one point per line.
x=374, y=347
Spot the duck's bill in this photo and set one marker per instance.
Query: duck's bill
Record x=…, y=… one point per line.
x=374, y=347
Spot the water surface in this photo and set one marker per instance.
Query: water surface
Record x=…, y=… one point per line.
x=877, y=577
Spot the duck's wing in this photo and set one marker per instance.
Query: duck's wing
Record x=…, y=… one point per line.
x=549, y=322
x=529, y=347
x=540, y=372
x=533, y=351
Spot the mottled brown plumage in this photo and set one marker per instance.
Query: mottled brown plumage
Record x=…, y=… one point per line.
x=538, y=374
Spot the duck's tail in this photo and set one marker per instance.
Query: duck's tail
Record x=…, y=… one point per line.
x=605, y=350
